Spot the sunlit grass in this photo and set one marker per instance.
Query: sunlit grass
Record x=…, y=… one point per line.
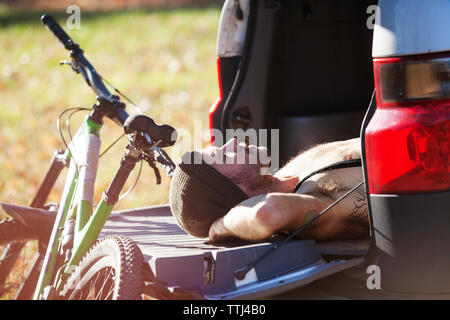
x=163, y=59
x=20, y=270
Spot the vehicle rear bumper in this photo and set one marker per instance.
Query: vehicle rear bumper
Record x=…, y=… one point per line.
x=411, y=244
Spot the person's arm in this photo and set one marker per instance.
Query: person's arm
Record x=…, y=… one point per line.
x=260, y=217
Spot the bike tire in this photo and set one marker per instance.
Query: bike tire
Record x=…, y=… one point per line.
x=19, y=260
x=111, y=270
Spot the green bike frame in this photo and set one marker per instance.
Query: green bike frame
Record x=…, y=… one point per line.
x=76, y=203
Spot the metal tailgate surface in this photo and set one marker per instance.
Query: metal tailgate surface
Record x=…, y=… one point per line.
x=180, y=259
x=155, y=231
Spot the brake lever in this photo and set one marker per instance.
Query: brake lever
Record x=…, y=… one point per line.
x=161, y=157
x=72, y=65
x=152, y=154
x=77, y=69
x=157, y=174
x=164, y=161
x=152, y=163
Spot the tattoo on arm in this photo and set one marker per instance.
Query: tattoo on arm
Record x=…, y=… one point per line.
x=357, y=222
x=311, y=214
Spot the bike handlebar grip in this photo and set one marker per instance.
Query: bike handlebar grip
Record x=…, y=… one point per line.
x=144, y=124
x=56, y=29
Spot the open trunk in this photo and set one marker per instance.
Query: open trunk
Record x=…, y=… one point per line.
x=305, y=69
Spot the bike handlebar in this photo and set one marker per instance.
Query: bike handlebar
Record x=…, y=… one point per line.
x=82, y=65
x=116, y=108
x=94, y=80
x=56, y=29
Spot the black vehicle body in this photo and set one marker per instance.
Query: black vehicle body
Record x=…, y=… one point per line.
x=306, y=68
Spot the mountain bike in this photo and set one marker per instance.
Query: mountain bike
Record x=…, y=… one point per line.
x=70, y=262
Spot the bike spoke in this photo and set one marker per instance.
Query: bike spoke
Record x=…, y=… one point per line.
x=99, y=294
x=112, y=286
x=92, y=288
x=107, y=281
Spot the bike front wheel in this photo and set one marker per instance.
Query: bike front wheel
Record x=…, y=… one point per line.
x=111, y=270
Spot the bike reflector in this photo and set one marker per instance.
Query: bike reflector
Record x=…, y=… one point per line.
x=408, y=138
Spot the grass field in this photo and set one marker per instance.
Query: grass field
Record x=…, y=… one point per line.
x=163, y=59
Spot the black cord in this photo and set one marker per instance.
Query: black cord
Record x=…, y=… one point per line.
x=338, y=165
x=240, y=273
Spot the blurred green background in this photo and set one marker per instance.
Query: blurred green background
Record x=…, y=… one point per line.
x=159, y=53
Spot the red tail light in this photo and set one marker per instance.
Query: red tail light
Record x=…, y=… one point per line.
x=216, y=103
x=408, y=137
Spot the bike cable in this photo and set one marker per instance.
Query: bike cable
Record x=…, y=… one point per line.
x=71, y=152
x=133, y=185
x=111, y=145
x=121, y=94
x=74, y=110
x=58, y=125
x=140, y=112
